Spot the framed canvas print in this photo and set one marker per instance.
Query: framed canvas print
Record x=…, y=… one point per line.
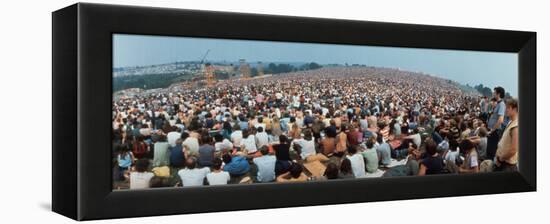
x=168, y=111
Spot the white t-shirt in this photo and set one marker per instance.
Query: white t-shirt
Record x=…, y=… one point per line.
x=261, y=139
x=225, y=144
x=191, y=143
x=357, y=164
x=219, y=178
x=193, y=177
x=250, y=144
x=172, y=137
x=140, y=180
x=236, y=137
x=308, y=147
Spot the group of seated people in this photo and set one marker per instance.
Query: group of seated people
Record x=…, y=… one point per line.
x=315, y=125
x=350, y=146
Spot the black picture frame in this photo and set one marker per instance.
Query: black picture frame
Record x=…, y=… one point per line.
x=82, y=76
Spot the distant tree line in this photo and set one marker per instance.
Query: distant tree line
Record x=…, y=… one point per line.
x=488, y=92
x=149, y=81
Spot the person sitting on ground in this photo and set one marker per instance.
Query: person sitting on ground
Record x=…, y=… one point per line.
x=248, y=143
x=357, y=161
x=471, y=162
x=236, y=166
x=371, y=156
x=177, y=155
x=261, y=137
x=217, y=176
x=282, y=153
x=191, y=175
x=452, y=154
x=206, y=151
x=341, y=142
x=266, y=166
x=328, y=144
x=236, y=136
x=222, y=144
x=161, y=155
x=433, y=163
x=346, y=172
x=295, y=174
x=190, y=143
x=125, y=158
x=481, y=142
x=140, y=177
x=331, y=172
x=384, y=151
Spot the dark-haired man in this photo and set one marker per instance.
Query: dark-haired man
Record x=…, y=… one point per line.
x=495, y=122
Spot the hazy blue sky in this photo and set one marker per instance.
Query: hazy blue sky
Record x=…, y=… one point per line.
x=467, y=67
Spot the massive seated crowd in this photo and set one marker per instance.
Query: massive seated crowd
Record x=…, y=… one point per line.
x=317, y=125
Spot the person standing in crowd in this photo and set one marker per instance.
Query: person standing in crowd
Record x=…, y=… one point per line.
x=507, y=151
x=495, y=122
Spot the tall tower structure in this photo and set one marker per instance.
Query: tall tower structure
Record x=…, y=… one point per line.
x=209, y=75
x=260, y=69
x=244, y=69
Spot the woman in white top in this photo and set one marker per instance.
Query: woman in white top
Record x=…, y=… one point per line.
x=217, y=176
x=140, y=177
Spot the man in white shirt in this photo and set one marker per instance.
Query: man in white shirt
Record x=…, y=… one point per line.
x=261, y=138
x=236, y=137
x=217, y=176
x=222, y=143
x=357, y=162
x=191, y=175
x=173, y=136
x=248, y=143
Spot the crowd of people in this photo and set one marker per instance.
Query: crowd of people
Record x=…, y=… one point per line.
x=316, y=125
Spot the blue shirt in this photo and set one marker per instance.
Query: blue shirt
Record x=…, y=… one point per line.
x=176, y=156
x=499, y=110
x=266, y=167
x=237, y=166
x=125, y=162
